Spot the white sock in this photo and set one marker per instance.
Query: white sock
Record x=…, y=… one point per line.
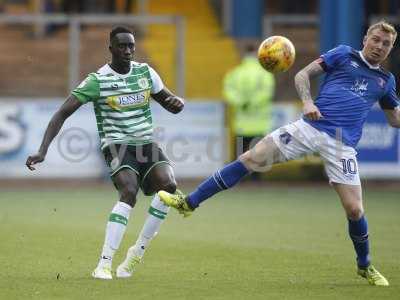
x=156, y=215
x=115, y=230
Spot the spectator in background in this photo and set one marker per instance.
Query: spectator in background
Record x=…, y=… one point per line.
x=249, y=90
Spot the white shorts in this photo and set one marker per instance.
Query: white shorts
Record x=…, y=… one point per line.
x=299, y=138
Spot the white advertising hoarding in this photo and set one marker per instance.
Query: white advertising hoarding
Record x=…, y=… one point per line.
x=73, y=154
x=379, y=148
x=194, y=140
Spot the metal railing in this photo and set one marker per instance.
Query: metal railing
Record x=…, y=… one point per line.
x=75, y=21
x=311, y=20
x=287, y=19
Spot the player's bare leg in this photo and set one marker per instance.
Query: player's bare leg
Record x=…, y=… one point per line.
x=351, y=198
x=262, y=156
x=127, y=184
x=258, y=159
x=161, y=177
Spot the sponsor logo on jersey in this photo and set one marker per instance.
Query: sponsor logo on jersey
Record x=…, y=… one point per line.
x=114, y=86
x=360, y=86
x=128, y=100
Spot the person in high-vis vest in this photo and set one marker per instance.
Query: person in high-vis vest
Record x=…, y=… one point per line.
x=249, y=90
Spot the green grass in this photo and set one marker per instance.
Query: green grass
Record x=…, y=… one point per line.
x=247, y=243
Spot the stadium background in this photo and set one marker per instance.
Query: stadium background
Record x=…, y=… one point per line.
x=52, y=221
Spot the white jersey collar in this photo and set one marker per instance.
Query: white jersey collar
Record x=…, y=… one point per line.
x=367, y=63
x=118, y=74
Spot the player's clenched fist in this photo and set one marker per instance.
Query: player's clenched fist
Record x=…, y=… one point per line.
x=33, y=160
x=310, y=111
x=174, y=104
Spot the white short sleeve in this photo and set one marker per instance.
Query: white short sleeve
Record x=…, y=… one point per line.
x=158, y=85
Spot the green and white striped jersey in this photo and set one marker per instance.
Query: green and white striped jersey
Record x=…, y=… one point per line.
x=121, y=103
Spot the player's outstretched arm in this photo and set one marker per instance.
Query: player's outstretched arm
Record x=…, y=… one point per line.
x=303, y=87
x=68, y=108
x=169, y=101
x=393, y=116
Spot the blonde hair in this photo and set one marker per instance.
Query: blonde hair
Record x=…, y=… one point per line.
x=384, y=26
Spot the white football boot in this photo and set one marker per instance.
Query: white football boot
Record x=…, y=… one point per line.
x=127, y=267
x=102, y=272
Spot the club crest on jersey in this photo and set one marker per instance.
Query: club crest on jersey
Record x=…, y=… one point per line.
x=128, y=100
x=360, y=86
x=143, y=83
x=381, y=82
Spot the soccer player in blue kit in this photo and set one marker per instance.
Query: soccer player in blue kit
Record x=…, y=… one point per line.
x=331, y=126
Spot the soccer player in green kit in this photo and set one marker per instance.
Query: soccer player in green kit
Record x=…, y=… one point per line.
x=120, y=92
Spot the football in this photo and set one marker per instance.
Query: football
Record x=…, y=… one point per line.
x=276, y=54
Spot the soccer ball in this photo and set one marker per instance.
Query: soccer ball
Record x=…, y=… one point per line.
x=276, y=54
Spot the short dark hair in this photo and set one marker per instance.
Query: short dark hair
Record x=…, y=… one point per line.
x=119, y=29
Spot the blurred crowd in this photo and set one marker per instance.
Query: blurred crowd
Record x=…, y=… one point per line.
x=72, y=6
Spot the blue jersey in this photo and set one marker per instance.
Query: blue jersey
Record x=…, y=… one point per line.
x=351, y=87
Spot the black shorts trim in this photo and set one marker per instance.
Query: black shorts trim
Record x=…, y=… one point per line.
x=138, y=158
x=155, y=164
x=124, y=167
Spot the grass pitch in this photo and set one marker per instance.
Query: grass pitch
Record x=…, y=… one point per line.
x=246, y=243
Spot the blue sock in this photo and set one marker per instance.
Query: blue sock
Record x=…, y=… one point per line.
x=223, y=179
x=358, y=231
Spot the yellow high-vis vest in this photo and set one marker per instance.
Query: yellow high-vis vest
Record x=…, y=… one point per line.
x=249, y=90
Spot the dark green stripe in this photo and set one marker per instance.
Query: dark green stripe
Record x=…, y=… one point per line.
x=107, y=89
x=107, y=107
x=140, y=71
x=130, y=86
x=136, y=141
x=109, y=81
x=157, y=213
x=105, y=124
x=116, y=218
x=117, y=93
x=126, y=132
x=150, y=126
x=145, y=114
x=107, y=132
x=135, y=86
x=99, y=119
x=128, y=109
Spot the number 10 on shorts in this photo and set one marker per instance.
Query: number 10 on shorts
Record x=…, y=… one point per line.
x=349, y=166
